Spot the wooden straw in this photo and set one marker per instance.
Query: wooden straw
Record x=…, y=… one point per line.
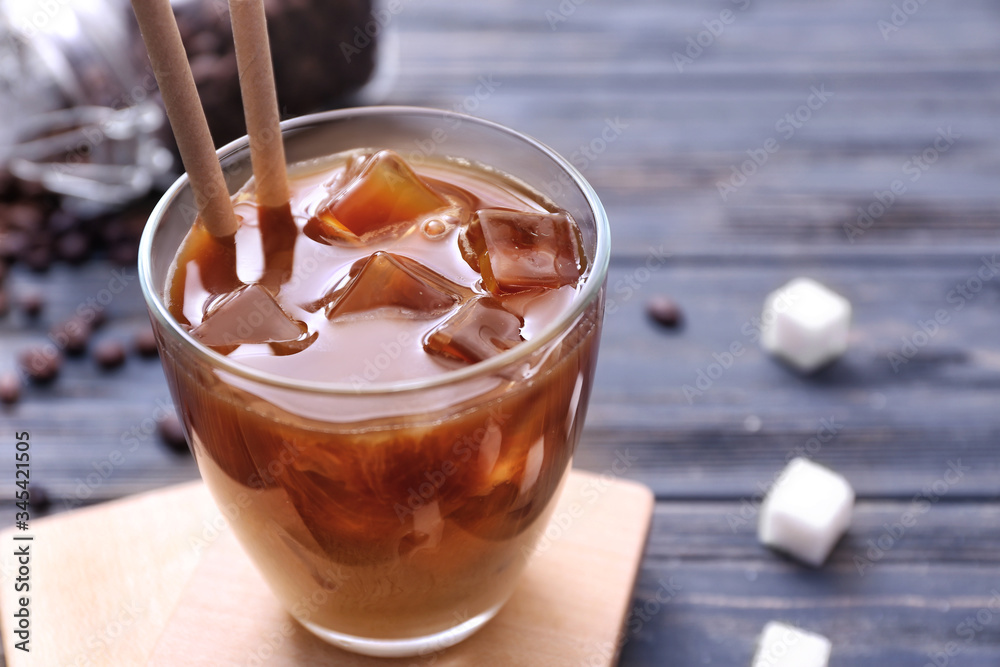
x=260, y=101
x=187, y=118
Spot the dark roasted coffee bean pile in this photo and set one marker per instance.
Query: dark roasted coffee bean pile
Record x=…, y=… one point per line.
x=36, y=231
x=322, y=52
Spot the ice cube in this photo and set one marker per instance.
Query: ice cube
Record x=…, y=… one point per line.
x=493, y=515
x=248, y=315
x=373, y=498
x=284, y=348
x=532, y=468
x=384, y=193
x=479, y=330
x=395, y=283
x=428, y=528
x=520, y=250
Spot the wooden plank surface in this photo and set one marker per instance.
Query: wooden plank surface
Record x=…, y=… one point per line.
x=683, y=131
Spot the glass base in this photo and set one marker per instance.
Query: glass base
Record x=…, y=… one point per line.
x=402, y=648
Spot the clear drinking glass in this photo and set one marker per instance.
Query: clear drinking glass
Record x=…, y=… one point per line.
x=390, y=518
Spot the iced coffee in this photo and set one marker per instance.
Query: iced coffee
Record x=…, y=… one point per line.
x=422, y=294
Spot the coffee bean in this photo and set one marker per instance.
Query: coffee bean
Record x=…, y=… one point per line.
x=204, y=42
x=664, y=311
x=172, y=433
x=72, y=247
x=13, y=244
x=30, y=190
x=33, y=303
x=6, y=184
x=134, y=221
x=124, y=253
x=187, y=26
x=61, y=222
x=109, y=353
x=24, y=216
x=204, y=67
x=113, y=231
x=10, y=388
x=72, y=335
x=41, y=363
x=145, y=342
x=98, y=317
x=38, y=258
x=39, y=498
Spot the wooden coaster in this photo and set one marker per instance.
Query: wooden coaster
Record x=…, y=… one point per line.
x=104, y=580
x=131, y=583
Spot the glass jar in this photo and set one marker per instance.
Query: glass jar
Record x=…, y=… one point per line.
x=88, y=121
x=85, y=121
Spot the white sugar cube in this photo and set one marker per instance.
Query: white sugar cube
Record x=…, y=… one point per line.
x=784, y=645
x=805, y=323
x=806, y=511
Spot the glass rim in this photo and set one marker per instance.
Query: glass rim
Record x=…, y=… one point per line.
x=581, y=301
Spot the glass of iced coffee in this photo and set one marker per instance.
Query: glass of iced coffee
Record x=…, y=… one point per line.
x=383, y=386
